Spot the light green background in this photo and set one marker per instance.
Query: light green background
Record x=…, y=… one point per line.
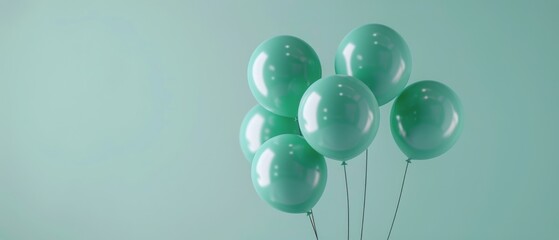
x=119, y=120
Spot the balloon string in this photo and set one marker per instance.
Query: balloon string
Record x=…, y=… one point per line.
x=400, y=197
x=364, y=192
x=347, y=196
x=313, y=224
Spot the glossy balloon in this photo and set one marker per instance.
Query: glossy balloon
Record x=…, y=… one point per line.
x=279, y=72
x=426, y=120
x=288, y=174
x=339, y=117
x=259, y=125
x=378, y=56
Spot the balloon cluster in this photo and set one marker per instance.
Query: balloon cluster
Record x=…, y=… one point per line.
x=303, y=118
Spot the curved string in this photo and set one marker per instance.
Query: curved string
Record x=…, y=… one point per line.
x=347, y=196
x=313, y=223
x=400, y=197
x=364, y=192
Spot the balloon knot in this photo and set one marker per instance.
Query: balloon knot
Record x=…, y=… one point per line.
x=308, y=213
x=409, y=160
x=344, y=163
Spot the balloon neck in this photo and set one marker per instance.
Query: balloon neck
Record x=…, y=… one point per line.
x=409, y=160
x=344, y=163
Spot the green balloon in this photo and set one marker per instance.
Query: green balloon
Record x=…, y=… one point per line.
x=378, y=56
x=279, y=72
x=339, y=117
x=426, y=120
x=259, y=125
x=288, y=174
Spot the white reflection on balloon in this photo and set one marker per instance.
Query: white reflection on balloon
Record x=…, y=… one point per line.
x=316, y=179
x=366, y=116
x=253, y=133
x=399, y=71
x=453, y=124
x=400, y=127
x=263, y=167
x=310, y=110
x=347, y=52
x=369, y=122
x=258, y=73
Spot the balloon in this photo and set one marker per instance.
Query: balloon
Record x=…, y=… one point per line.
x=288, y=174
x=378, y=56
x=426, y=120
x=339, y=117
x=279, y=72
x=259, y=125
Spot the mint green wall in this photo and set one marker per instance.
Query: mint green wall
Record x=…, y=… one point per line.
x=119, y=120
